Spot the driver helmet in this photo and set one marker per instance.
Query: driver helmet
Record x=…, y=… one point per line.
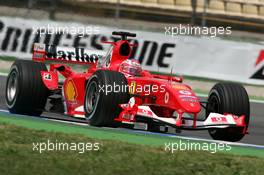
x=130, y=67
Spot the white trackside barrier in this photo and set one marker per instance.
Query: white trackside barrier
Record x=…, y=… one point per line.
x=194, y=56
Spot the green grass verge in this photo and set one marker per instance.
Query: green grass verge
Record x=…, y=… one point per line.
x=204, y=92
x=7, y=58
x=111, y=134
x=113, y=157
x=210, y=80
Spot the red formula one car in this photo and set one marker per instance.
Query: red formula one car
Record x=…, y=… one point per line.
x=115, y=90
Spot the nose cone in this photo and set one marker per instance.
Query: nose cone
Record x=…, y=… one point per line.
x=188, y=101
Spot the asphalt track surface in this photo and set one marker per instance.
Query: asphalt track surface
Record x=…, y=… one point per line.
x=256, y=127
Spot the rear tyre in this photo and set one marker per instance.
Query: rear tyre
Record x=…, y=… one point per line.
x=102, y=107
x=25, y=92
x=229, y=98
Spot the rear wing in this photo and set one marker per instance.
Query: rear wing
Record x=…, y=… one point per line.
x=44, y=52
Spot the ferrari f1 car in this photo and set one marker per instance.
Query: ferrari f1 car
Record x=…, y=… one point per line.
x=114, y=90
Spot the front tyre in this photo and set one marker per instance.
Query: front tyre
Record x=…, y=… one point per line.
x=102, y=101
x=229, y=98
x=25, y=92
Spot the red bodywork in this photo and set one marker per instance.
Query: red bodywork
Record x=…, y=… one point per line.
x=176, y=99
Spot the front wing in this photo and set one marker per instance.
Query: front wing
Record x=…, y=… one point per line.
x=214, y=120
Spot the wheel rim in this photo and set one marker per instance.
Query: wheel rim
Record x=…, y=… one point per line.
x=213, y=104
x=12, y=86
x=213, y=107
x=92, y=97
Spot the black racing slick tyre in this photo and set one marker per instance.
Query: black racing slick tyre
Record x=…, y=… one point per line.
x=229, y=98
x=25, y=92
x=101, y=103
